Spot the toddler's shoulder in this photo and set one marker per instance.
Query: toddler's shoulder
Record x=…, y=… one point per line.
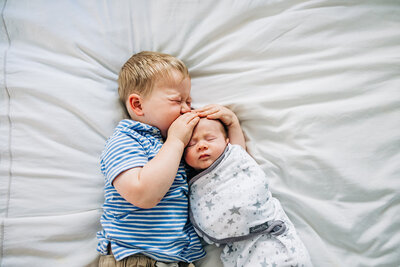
x=124, y=135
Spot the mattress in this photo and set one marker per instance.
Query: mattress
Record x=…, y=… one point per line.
x=315, y=85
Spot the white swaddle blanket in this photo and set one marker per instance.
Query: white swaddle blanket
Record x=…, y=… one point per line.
x=230, y=204
x=230, y=201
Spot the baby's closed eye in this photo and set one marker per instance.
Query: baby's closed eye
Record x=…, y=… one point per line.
x=191, y=143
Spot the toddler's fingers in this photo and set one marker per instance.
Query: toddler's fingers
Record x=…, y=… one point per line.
x=187, y=117
x=188, y=114
x=193, y=122
x=213, y=116
x=208, y=111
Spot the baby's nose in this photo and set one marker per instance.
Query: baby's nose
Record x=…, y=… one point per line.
x=201, y=146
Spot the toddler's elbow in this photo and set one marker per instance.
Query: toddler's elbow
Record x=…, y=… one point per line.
x=147, y=204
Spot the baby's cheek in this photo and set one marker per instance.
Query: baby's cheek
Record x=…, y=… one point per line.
x=186, y=155
x=190, y=155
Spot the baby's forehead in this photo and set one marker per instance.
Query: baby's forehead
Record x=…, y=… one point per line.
x=211, y=125
x=206, y=121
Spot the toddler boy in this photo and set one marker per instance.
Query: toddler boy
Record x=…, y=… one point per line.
x=145, y=213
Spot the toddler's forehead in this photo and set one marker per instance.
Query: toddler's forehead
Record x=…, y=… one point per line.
x=170, y=77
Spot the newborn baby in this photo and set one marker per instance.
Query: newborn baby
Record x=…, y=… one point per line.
x=231, y=205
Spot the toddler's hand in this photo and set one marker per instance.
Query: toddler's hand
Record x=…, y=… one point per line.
x=182, y=127
x=214, y=111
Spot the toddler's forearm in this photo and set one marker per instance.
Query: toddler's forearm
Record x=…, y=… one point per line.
x=145, y=187
x=236, y=135
x=159, y=173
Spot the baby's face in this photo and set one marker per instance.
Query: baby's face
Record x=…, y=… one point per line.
x=207, y=144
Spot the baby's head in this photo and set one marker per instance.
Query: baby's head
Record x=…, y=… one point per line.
x=155, y=88
x=208, y=142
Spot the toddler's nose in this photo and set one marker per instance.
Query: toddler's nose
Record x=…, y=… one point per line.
x=185, y=108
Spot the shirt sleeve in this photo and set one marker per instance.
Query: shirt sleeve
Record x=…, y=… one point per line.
x=122, y=152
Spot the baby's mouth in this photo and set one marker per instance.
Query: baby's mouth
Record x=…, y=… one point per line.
x=203, y=156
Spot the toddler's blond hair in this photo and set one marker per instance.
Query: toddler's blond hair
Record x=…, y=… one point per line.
x=141, y=71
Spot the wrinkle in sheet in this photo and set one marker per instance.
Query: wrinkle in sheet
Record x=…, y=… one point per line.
x=72, y=110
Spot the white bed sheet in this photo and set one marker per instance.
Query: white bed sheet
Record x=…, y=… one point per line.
x=315, y=84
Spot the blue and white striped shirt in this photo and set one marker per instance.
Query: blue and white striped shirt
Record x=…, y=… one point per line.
x=164, y=232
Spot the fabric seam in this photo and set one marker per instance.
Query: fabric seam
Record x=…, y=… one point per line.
x=9, y=135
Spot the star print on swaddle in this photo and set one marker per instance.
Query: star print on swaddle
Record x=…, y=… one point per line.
x=229, y=201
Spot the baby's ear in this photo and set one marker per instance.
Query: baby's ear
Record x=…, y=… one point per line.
x=134, y=103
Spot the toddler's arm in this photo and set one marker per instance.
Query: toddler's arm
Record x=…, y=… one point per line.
x=145, y=187
x=228, y=118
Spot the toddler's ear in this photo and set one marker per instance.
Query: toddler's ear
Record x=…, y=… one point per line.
x=134, y=104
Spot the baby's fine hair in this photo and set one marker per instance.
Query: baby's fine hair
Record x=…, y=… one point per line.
x=141, y=71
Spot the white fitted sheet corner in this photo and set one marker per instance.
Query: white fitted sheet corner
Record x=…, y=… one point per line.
x=315, y=85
